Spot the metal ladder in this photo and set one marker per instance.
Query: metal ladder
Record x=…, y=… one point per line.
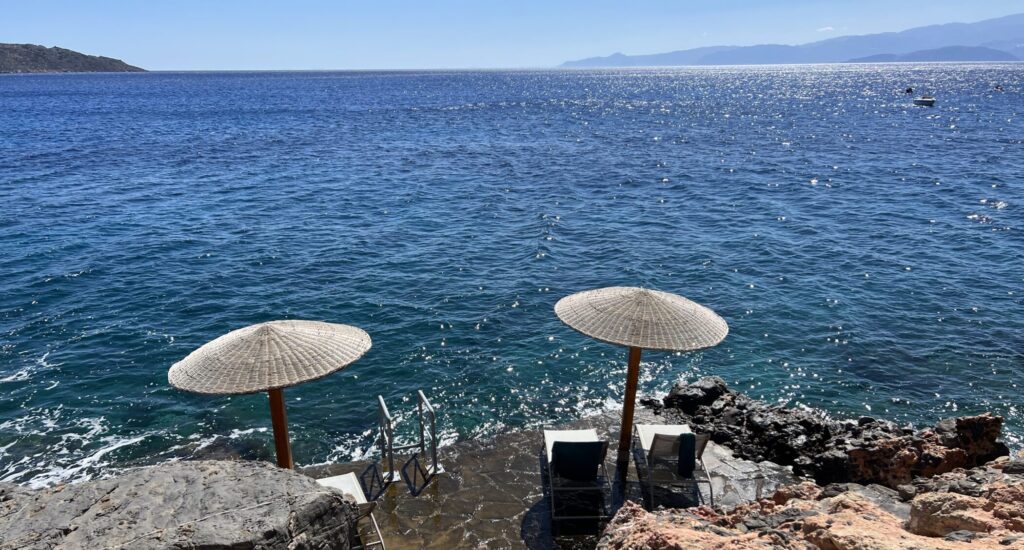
x=421, y=468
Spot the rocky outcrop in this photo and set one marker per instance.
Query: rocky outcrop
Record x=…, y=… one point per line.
x=865, y=450
x=206, y=504
x=837, y=517
x=974, y=482
x=30, y=58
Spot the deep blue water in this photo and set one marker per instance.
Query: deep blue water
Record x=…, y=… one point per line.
x=866, y=253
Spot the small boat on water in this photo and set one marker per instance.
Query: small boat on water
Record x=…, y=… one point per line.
x=925, y=101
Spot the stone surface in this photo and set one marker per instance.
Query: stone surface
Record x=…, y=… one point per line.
x=1000, y=477
x=203, y=504
x=989, y=501
x=866, y=450
x=939, y=514
x=805, y=516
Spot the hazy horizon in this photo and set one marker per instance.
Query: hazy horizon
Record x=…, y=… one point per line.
x=449, y=34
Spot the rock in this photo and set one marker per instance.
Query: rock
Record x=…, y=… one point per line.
x=864, y=451
x=938, y=514
x=653, y=404
x=978, y=437
x=832, y=466
x=907, y=491
x=976, y=482
x=204, y=504
x=689, y=397
x=9, y=491
x=961, y=536
x=1014, y=467
x=798, y=517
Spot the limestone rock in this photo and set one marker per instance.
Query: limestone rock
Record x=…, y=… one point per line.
x=205, y=504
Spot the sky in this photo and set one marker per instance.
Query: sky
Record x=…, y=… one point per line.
x=425, y=34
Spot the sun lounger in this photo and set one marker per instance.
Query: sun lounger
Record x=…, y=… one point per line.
x=349, y=484
x=670, y=456
x=576, y=475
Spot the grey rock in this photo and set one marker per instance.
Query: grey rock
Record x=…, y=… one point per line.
x=10, y=491
x=907, y=492
x=867, y=450
x=703, y=392
x=961, y=536
x=1014, y=467
x=206, y=504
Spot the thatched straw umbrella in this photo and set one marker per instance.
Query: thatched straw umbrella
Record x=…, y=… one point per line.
x=268, y=357
x=640, y=319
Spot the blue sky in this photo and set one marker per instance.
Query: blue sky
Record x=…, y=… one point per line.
x=411, y=34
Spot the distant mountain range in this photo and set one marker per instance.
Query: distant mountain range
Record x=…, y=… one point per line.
x=30, y=58
x=1000, y=39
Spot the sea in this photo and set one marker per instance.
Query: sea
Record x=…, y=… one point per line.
x=868, y=254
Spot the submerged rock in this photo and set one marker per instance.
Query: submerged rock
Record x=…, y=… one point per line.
x=867, y=450
x=205, y=504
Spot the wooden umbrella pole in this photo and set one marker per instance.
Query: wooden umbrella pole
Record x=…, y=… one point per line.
x=626, y=437
x=280, y=421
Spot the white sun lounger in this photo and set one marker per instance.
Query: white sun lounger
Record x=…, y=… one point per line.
x=576, y=477
x=646, y=433
x=551, y=436
x=656, y=452
x=349, y=484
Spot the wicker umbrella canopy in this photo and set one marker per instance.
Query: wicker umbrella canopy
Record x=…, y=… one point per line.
x=640, y=318
x=268, y=357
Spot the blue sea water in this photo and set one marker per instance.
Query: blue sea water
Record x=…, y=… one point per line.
x=866, y=253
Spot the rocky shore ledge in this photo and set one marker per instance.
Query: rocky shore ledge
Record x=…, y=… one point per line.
x=876, y=485
x=828, y=484
x=203, y=504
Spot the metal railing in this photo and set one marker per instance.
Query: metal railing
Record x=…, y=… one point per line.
x=425, y=447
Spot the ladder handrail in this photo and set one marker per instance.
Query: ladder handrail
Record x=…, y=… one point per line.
x=387, y=434
x=425, y=405
x=427, y=436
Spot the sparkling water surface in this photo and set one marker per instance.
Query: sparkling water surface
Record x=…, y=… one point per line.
x=866, y=253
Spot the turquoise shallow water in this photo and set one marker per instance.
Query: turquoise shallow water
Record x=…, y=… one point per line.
x=866, y=253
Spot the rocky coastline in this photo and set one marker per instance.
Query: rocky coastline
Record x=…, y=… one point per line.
x=866, y=450
x=869, y=483
x=829, y=484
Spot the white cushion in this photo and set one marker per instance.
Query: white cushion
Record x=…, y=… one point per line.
x=348, y=484
x=551, y=436
x=646, y=432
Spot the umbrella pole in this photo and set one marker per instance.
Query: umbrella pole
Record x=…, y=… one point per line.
x=280, y=421
x=626, y=434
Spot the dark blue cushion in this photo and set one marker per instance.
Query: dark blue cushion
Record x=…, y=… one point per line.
x=577, y=460
x=687, y=454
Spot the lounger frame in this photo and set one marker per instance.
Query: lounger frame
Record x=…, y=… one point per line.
x=600, y=486
x=667, y=470
x=350, y=484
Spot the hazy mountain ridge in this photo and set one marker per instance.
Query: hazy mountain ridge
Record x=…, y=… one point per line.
x=1004, y=34
x=30, y=58
x=949, y=53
